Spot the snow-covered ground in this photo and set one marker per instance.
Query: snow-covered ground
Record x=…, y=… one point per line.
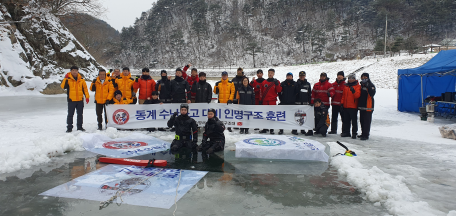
x=406, y=166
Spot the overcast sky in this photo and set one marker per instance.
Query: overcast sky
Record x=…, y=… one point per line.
x=123, y=13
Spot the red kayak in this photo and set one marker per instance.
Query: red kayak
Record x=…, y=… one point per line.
x=125, y=161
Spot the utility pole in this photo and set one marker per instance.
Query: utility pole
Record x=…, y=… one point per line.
x=386, y=34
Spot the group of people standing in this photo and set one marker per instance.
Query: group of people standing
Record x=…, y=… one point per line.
x=346, y=98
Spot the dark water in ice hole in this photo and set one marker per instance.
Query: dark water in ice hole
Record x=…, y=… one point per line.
x=232, y=187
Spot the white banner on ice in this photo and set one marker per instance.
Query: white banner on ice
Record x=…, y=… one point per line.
x=158, y=191
x=300, y=117
x=281, y=147
x=135, y=144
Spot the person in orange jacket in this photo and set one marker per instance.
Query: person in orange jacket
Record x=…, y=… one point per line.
x=124, y=83
x=145, y=84
x=349, y=107
x=104, y=91
x=225, y=90
x=119, y=100
x=76, y=89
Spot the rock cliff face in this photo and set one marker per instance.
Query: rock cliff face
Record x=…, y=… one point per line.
x=36, y=50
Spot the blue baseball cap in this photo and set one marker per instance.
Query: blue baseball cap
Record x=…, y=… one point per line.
x=224, y=73
x=290, y=74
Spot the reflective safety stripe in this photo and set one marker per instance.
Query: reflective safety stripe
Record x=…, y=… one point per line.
x=364, y=108
x=339, y=91
x=321, y=91
x=335, y=102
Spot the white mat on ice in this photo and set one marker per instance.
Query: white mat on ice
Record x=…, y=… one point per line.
x=281, y=147
x=158, y=191
x=135, y=144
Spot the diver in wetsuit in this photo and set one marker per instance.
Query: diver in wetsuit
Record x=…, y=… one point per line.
x=186, y=130
x=213, y=130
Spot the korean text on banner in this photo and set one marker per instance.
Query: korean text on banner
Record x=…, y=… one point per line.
x=299, y=117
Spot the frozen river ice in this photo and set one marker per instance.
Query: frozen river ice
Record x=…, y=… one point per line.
x=405, y=168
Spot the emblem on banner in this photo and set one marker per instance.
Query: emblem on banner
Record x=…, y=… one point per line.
x=300, y=117
x=123, y=144
x=264, y=142
x=120, y=117
x=124, y=186
x=239, y=124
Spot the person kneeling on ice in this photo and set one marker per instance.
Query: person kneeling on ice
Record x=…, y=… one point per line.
x=118, y=98
x=186, y=130
x=321, y=119
x=213, y=130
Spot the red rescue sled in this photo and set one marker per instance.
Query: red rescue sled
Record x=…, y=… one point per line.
x=126, y=161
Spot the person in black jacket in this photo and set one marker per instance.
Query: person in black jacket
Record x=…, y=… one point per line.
x=288, y=95
x=153, y=100
x=180, y=89
x=303, y=92
x=186, y=130
x=237, y=81
x=213, y=130
x=321, y=118
x=366, y=105
x=163, y=86
x=246, y=96
x=202, y=89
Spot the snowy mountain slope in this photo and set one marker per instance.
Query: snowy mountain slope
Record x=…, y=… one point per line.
x=37, y=51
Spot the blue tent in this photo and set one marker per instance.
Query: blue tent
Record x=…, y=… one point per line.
x=435, y=77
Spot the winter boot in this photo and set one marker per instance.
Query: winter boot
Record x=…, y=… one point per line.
x=173, y=129
x=242, y=131
x=354, y=136
x=303, y=132
x=246, y=131
x=294, y=132
x=69, y=130
x=364, y=138
x=161, y=129
x=309, y=133
x=359, y=136
x=332, y=132
x=345, y=135
x=229, y=129
x=81, y=129
x=271, y=131
x=280, y=131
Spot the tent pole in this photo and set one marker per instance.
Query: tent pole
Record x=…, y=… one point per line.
x=422, y=96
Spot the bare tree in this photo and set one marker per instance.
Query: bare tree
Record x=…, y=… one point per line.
x=66, y=7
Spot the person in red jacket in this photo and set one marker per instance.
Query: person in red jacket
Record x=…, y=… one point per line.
x=338, y=86
x=271, y=88
x=184, y=71
x=323, y=90
x=193, y=79
x=257, y=85
x=145, y=84
x=352, y=92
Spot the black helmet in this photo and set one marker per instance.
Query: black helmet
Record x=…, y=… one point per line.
x=184, y=106
x=212, y=111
